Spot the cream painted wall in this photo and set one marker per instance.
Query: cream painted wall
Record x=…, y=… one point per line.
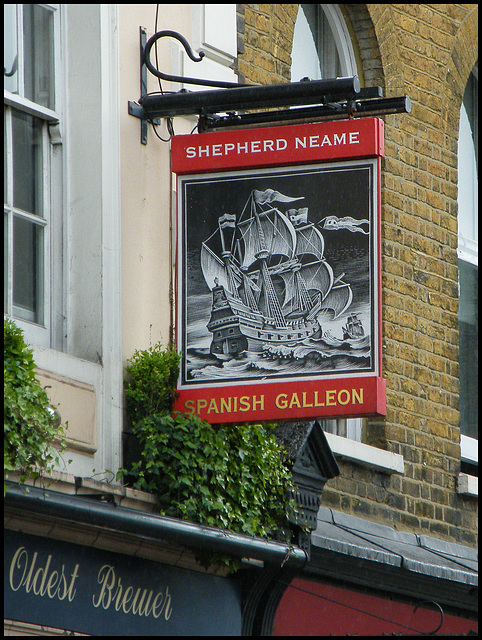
x=146, y=185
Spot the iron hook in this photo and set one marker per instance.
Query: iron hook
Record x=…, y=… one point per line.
x=432, y=633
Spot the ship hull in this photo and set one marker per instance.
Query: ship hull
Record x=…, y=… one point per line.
x=237, y=329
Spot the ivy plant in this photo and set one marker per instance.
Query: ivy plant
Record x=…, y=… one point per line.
x=32, y=435
x=227, y=476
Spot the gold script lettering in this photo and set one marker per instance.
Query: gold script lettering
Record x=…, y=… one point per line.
x=141, y=602
x=54, y=584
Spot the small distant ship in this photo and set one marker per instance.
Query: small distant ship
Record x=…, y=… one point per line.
x=268, y=277
x=353, y=330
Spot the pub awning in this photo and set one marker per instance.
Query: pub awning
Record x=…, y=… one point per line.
x=364, y=553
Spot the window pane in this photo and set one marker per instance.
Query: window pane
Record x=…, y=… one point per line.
x=305, y=60
x=38, y=24
x=468, y=348
x=27, y=162
x=10, y=50
x=471, y=104
x=27, y=251
x=314, y=54
x=468, y=191
x=5, y=157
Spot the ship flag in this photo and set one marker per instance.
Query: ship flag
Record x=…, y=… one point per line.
x=298, y=216
x=271, y=195
x=227, y=220
x=333, y=223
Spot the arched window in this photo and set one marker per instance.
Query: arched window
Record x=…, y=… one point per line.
x=322, y=46
x=468, y=271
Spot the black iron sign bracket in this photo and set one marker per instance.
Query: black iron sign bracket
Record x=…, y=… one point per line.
x=229, y=104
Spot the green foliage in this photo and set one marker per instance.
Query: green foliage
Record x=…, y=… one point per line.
x=30, y=424
x=152, y=377
x=227, y=476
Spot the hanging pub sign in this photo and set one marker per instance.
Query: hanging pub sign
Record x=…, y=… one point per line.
x=278, y=271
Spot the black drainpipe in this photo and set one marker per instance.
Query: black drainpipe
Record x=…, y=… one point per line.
x=86, y=511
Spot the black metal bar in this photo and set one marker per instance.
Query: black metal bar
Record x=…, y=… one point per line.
x=384, y=106
x=250, y=97
x=142, y=43
x=380, y=106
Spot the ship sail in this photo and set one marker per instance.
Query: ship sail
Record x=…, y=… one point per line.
x=214, y=269
x=279, y=236
x=317, y=278
x=309, y=242
x=269, y=276
x=338, y=299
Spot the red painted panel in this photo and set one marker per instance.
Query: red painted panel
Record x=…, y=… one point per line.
x=314, y=609
x=276, y=146
x=314, y=398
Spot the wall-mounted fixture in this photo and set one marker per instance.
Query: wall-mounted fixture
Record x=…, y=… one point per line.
x=226, y=106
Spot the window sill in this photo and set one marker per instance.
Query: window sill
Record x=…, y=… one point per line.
x=467, y=485
x=366, y=455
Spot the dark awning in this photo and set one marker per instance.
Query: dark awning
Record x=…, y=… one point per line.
x=377, y=556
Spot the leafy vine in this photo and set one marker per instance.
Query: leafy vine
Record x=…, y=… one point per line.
x=226, y=476
x=32, y=433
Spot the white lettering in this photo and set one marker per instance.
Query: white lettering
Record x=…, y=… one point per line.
x=300, y=143
x=314, y=141
x=326, y=140
x=273, y=145
x=281, y=144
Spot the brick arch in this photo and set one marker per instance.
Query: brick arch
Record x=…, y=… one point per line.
x=387, y=37
x=365, y=41
x=463, y=56
x=265, y=42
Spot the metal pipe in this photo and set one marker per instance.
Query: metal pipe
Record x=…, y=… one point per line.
x=87, y=511
x=249, y=97
x=375, y=107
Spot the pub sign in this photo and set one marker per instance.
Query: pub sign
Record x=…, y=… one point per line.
x=97, y=592
x=278, y=271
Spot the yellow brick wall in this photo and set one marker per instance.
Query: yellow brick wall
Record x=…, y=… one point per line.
x=427, y=52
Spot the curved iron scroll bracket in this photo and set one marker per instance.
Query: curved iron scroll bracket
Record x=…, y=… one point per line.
x=441, y=611
x=187, y=47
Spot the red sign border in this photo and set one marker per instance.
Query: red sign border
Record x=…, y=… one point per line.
x=260, y=148
x=278, y=146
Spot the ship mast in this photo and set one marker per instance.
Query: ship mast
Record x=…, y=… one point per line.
x=273, y=305
x=248, y=292
x=228, y=221
x=304, y=300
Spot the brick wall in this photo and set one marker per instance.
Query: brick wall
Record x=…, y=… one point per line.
x=427, y=52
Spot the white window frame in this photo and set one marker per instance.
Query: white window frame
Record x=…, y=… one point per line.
x=39, y=334
x=467, y=250
x=214, y=31
x=342, y=38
